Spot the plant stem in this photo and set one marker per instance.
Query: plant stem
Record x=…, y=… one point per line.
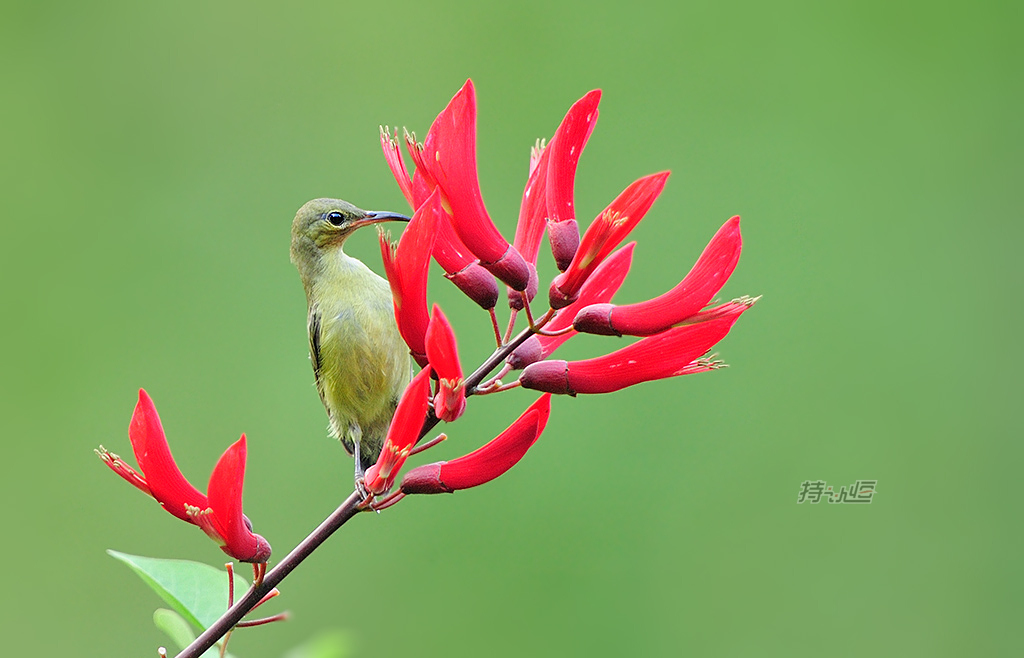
x=345, y=511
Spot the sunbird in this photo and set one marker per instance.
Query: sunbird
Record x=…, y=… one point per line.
x=360, y=361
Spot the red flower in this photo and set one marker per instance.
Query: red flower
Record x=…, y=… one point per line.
x=566, y=147
x=668, y=354
x=486, y=463
x=453, y=256
x=219, y=515
x=448, y=155
x=604, y=234
x=406, y=266
x=548, y=196
x=707, y=277
x=402, y=435
x=443, y=354
x=600, y=287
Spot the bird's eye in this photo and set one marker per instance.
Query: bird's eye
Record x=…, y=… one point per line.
x=335, y=218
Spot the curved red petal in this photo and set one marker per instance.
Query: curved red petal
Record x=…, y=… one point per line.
x=449, y=154
x=393, y=156
x=567, y=146
x=533, y=209
x=686, y=299
x=667, y=354
x=165, y=481
x=600, y=287
x=442, y=350
x=406, y=267
x=608, y=230
x=402, y=435
x=225, y=493
x=502, y=453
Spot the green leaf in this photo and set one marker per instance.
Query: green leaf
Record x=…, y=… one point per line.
x=180, y=632
x=175, y=626
x=335, y=644
x=196, y=591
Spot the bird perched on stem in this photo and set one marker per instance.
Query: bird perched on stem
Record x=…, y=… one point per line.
x=359, y=359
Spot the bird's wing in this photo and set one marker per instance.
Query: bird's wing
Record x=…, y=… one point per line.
x=314, y=324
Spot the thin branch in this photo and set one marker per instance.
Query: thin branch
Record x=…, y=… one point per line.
x=229, y=619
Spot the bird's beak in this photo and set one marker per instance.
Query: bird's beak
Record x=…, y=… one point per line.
x=378, y=216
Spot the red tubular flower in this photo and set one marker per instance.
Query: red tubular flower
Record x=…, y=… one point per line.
x=406, y=266
x=486, y=463
x=443, y=354
x=571, y=138
x=668, y=354
x=220, y=516
x=402, y=435
x=600, y=287
x=707, y=277
x=604, y=234
x=548, y=196
x=460, y=266
x=449, y=155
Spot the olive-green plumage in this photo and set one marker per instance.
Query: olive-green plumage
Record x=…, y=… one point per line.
x=359, y=359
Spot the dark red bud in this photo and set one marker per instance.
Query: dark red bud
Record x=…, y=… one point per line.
x=595, y=319
x=425, y=480
x=510, y=268
x=556, y=297
x=531, y=351
x=549, y=376
x=477, y=283
x=515, y=297
x=564, y=237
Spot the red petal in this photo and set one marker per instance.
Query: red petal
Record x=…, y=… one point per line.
x=402, y=435
x=605, y=233
x=443, y=355
x=496, y=457
x=549, y=189
x=393, y=155
x=406, y=267
x=449, y=251
x=566, y=148
x=707, y=277
x=487, y=462
x=665, y=355
x=225, y=492
x=165, y=481
x=533, y=210
x=668, y=354
x=449, y=153
x=461, y=268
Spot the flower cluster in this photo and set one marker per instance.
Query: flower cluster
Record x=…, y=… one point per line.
x=451, y=223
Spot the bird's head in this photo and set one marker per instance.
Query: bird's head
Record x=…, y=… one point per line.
x=324, y=223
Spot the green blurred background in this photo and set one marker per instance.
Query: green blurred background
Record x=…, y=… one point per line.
x=154, y=155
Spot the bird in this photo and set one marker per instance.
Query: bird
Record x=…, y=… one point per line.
x=360, y=362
